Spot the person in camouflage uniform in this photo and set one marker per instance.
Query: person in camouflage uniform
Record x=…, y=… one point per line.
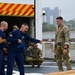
x=35, y=55
x=62, y=42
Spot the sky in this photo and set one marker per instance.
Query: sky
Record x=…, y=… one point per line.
x=67, y=7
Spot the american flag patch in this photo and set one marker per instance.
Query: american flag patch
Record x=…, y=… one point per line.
x=11, y=35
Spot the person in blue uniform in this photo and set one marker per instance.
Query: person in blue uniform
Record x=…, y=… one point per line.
x=17, y=40
x=3, y=45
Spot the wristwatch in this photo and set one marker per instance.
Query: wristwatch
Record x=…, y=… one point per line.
x=65, y=48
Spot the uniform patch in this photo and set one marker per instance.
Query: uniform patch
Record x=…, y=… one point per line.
x=11, y=35
x=22, y=37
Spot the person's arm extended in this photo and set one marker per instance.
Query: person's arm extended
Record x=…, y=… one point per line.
x=32, y=39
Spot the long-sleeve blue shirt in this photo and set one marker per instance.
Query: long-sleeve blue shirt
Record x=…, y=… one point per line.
x=13, y=39
x=3, y=36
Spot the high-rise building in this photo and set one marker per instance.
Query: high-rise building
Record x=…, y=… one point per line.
x=51, y=19
x=56, y=13
x=51, y=15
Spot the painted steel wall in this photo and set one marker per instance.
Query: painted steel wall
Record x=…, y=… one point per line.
x=12, y=9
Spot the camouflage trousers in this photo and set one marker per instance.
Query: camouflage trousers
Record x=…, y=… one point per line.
x=34, y=61
x=62, y=57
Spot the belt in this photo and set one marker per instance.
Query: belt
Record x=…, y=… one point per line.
x=60, y=43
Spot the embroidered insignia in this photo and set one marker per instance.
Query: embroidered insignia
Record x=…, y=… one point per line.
x=22, y=37
x=11, y=35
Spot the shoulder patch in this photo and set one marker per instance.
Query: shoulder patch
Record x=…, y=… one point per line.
x=11, y=35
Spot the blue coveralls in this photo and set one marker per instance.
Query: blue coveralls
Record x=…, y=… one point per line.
x=15, y=52
x=2, y=45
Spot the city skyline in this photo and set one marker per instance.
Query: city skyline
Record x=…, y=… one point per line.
x=51, y=15
x=66, y=6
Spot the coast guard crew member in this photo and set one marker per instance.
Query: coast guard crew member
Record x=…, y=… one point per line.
x=3, y=46
x=17, y=39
